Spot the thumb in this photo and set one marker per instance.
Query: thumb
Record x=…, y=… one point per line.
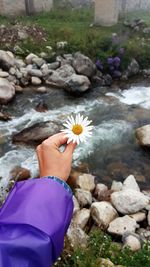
x=70, y=148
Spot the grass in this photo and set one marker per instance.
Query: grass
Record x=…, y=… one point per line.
x=100, y=245
x=73, y=26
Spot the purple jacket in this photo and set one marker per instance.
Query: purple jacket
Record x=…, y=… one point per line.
x=33, y=222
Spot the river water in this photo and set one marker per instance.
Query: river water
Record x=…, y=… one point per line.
x=111, y=153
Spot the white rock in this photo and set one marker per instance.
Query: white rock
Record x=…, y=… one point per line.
x=6, y=59
x=129, y=201
x=81, y=218
x=103, y=213
x=76, y=205
x=130, y=183
x=29, y=58
x=41, y=89
x=36, y=81
x=77, y=236
x=132, y=242
x=143, y=135
x=12, y=71
x=139, y=216
x=84, y=197
x=116, y=186
x=148, y=218
x=7, y=91
x=4, y=74
x=86, y=182
x=121, y=225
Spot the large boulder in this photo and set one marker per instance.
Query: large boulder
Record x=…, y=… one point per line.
x=77, y=84
x=6, y=60
x=143, y=135
x=37, y=133
x=129, y=201
x=7, y=91
x=83, y=65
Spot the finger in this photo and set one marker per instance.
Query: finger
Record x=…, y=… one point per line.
x=56, y=140
x=70, y=148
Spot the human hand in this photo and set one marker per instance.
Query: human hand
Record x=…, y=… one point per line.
x=52, y=162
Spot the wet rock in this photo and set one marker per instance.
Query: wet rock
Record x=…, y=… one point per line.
x=77, y=84
x=132, y=241
x=53, y=66
x=143, y=135
x=103, y=213
x=77, y=237
x=6, y=60
x=101, y=191
x=81, y=218
x=107, y=80
x=118, y=169
x=19, y=174
x=7, y=91
x=139, y=216
x=4, y=74
x=37, y=133
x=84, y=197
x=129, y=201
x=133, y=68
x=4, y=116
x=121, y=225
x=86, y=182
x=76, y=205
x=116, y=186
x=18, y=89
x=130, y=183
x=36, y=81
x=83, y=65
x=41, y=106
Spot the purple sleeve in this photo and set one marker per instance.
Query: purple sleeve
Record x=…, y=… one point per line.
x=33, y=222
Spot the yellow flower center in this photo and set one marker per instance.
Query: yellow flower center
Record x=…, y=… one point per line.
x=77, y=129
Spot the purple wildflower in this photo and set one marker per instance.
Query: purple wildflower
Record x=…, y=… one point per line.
x=110, y=60
x=121, y=51
x=99, y=65
x=116, y=61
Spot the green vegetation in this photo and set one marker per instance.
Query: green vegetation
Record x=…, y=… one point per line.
x=100, y=246
x=73, y=26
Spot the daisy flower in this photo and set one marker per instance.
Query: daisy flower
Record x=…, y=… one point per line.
x=78, y=129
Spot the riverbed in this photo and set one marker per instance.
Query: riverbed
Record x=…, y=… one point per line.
x=111, y=154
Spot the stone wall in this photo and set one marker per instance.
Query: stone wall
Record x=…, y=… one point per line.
x=106, y=12
x=22, y=7
x=132, y=5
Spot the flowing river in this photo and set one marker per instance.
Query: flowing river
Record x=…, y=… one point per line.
x=111, y=153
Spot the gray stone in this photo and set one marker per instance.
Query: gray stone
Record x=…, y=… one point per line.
x=76, y=205
x=143, y=135
x=7, y=91
x=38, y=61
x=84, y=197
x=4, y=74
x=29, y=58
x=37, y=133
x=133, y=68
x=36, y=81
x=41, y=89
x=77, y=237
x=129, y=201
x=12, y=71
x=35, y=73
x=78, y=84
x=103, y=213
x=130, y=183
x=86, y=182
x=55, y=80
x=81, y=218
x=65, y=71
x=53, y=66
x=121, y=225
x=6, y=60
x=139, y=216
x=83, y=65
x=146, y=72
